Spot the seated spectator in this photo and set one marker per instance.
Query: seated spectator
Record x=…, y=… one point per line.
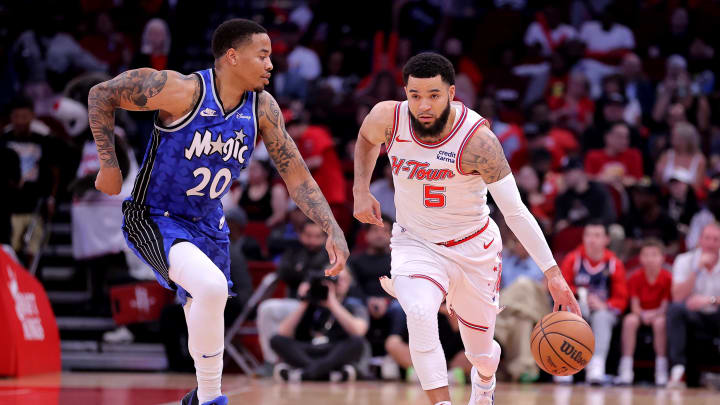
x=684, y=158
x=649, y=291
x=681, y=202
x=526, y=301
x=262, y=200
x=324, y=335
x=582, y=200
x=696, y=295
x=548, y=31
x=638, y=89
x=678, y=87
x=294, y=267
x=540, y=203
x=597, y=277
x=574, y=109
x=647, y=219
x=709, y=214
x=154, y=46
x=39, y=179
x=617, y=164
x=383, y=189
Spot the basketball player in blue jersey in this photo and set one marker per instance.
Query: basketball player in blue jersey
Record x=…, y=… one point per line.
x=205, y=131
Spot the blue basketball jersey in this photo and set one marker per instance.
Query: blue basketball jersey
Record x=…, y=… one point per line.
x=189, y=165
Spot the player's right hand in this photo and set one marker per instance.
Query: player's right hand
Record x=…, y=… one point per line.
x=109, y=180
x=367, y=209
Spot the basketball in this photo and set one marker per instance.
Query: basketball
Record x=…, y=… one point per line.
x=562, y=343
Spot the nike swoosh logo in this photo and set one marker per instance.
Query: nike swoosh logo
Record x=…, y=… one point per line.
x=488, y=245
x=403, y=140
x=212, y=355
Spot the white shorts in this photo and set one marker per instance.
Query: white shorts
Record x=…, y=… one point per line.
x=468, y=273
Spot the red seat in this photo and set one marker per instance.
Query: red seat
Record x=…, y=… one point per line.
x=563, y=242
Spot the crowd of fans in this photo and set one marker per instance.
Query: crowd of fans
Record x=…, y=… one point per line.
x=611, y=126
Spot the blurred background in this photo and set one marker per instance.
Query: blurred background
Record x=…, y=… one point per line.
x=608, y=112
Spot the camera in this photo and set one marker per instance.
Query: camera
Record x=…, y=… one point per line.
x=318, y=290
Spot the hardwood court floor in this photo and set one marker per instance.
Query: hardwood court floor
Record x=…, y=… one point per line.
x=162, y=389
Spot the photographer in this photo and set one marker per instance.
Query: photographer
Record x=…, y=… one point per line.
x=323, y=337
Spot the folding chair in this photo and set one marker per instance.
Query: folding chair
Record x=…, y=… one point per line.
x=241, y=355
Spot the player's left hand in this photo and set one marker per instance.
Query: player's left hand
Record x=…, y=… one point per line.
x=561, y=292
x=338, y=251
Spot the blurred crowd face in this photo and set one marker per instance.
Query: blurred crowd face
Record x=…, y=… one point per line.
x=379, y=238
x=527, y=179
x=684, y=138
x=257, y=173
x=618, y=138
x=574, y=178
x=651, y=258
x=676, y=114
x=312, y=237
x=710, y=238
x=595, y=239
x=577, y=86
x=157, y=35
x=250, y=62
x=429, y=104
x=20, y=118
x=631, y=66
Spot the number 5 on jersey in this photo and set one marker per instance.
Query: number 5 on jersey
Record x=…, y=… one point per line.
x=434, y=196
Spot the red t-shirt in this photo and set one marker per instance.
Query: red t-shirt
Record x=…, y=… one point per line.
x=316, y=141
x=651, y=296
x=631, y=160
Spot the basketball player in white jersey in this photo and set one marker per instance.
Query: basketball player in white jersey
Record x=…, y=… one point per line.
x=445, y=247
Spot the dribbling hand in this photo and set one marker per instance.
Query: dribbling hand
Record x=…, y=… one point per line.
x=109, y=180
x=561, y=292
x=367, y=209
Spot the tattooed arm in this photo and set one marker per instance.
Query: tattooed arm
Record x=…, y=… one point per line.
x=137, y=90
x=375, y=129
x=484, y=156
x=301, y=185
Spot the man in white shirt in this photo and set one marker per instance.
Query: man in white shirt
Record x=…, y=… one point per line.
x=696, y=292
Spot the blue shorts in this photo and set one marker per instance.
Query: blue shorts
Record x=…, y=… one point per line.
x=150, y=233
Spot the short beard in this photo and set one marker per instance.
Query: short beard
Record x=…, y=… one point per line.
x=434, y=129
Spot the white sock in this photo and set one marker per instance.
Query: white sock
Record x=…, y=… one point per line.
x=204, y=314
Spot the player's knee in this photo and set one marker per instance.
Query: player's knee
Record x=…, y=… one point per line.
x=486, y=363
x=631, y=321
x=212, y=288
x=422, y=326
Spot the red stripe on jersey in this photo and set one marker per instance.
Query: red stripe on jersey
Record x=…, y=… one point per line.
x=442, y=142
x=396, y=118
x=469, y=135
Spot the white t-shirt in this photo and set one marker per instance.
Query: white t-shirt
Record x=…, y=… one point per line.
x=536, y=35
x=305, y=62
x=706, y=283
x=599, y=40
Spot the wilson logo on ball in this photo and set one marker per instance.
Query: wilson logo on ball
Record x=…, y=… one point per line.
x=572, y=352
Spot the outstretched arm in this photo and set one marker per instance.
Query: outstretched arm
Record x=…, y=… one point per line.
x=136, y=90
x=484, y=156
x=375, y=129
x=302, y=187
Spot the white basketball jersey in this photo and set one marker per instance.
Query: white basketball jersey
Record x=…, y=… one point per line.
x=433, y=198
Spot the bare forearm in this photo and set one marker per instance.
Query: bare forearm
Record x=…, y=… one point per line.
x=352, y=325
x=307, y=195
x=366, y=155
x=288, y=325
x=681, y=290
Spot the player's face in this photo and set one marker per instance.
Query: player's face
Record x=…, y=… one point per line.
x=429, y=103
x=253, y=63
x=651, y=258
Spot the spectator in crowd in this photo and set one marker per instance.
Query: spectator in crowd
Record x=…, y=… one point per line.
x=154, y=46
x=548, y=31
x=541, y=205
x=582, y=199
x=677, y=87
x=649, y=290
x=287, y=85
x=39, y=181
x=617, y=164
x=324, y=335
x=108, y=44
x=597, y=277
x=696, y=295
x=647, y=219
x=295, y=266
x=681, y=202
x=610, y=110
x=684, y=158
x=510, y=135
x=638, y=89
x=301, y=59
x=384, y=190
x=709, y=214
x=526, y=301
x=574, y=109
x=317, y=147
x=262, y=200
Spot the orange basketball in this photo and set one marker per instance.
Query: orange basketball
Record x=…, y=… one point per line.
x=562, y=343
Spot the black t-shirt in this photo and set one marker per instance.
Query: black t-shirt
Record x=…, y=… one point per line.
x=578, y=208
x=662, y=227
x=367, y=268
x=319, y=321
x=36, y=158
x=297, y=263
